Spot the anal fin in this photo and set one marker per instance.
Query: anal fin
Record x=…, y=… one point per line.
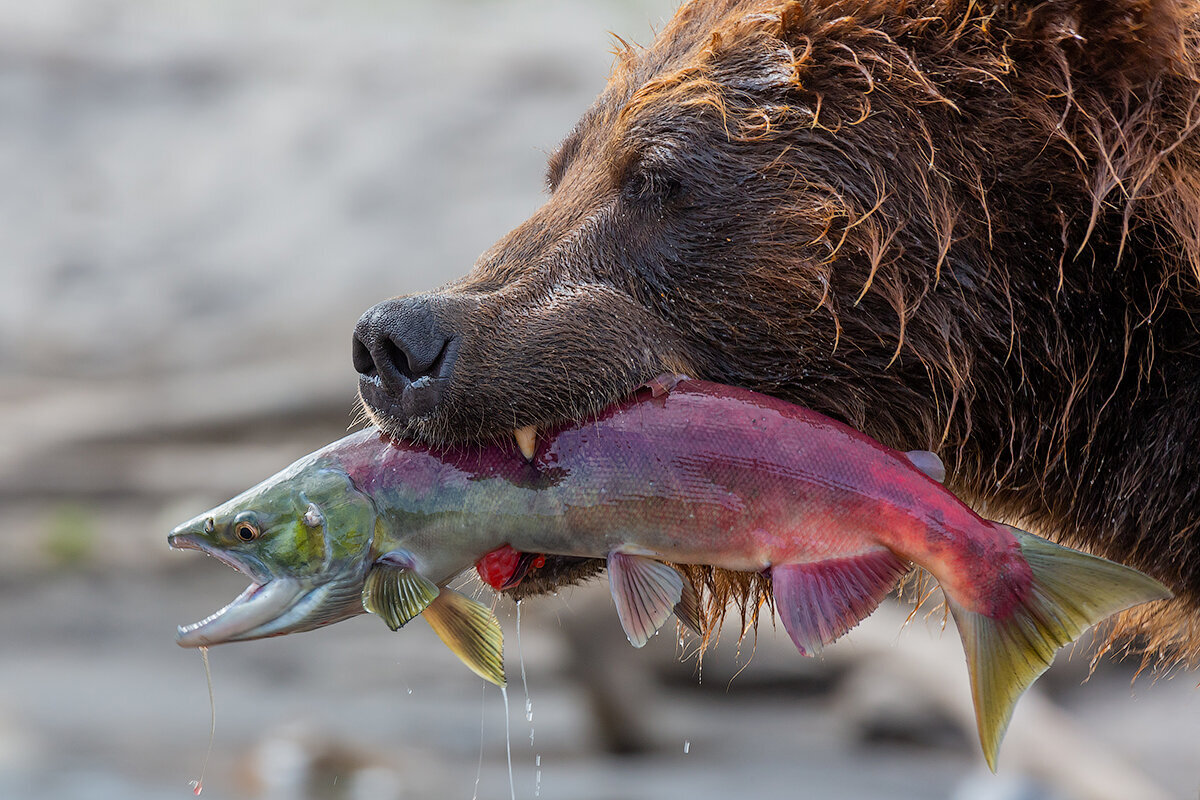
x=821, y=600
x=645, y=592
x=395, y=591
x=472, y=633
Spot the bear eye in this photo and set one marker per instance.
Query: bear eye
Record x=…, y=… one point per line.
x=650, y=174
x=651, y=184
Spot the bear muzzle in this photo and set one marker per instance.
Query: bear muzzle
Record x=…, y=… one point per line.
x=404, y=356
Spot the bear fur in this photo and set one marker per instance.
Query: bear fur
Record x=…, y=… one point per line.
x=967, y=226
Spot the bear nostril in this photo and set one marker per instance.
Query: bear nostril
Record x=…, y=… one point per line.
x=400, y=358
x=364, y=362
x=412, y=367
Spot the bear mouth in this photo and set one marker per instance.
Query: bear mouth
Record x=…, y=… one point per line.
x=438, y=426
x=377, y=408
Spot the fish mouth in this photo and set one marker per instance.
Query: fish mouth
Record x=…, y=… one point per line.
x=269, y=606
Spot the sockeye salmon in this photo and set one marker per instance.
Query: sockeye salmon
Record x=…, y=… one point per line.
x=683, y=472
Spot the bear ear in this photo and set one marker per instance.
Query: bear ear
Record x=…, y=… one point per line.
x=1124, y=41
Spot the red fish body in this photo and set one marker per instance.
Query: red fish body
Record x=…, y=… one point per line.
x=684, y=472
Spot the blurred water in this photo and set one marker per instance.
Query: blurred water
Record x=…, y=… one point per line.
x=199, y=200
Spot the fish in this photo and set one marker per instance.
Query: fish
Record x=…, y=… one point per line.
x=681, y=472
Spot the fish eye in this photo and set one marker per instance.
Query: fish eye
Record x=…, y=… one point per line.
x=245, y=527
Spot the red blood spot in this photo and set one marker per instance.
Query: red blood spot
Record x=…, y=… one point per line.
x=498, y=566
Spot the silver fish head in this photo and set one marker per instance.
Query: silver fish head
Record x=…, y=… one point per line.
x=303, y=537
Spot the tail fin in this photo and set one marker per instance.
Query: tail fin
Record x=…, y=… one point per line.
x=1071, y=591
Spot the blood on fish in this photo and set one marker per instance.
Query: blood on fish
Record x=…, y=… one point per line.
x=504, y=567
x=498, y=566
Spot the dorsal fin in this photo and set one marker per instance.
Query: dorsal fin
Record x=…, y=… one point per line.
x=645, y=592
x=929, y=463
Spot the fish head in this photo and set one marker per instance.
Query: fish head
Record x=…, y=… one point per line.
x=303, y=538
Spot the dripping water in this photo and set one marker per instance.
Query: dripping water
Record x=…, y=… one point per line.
x=528, y=708
x=479, y=766
x=524, y=682
x=198, y=784
x=512, y=789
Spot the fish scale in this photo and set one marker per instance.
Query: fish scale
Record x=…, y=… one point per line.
x=681, y=472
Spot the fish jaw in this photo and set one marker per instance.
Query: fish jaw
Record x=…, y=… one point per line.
x=270, y=605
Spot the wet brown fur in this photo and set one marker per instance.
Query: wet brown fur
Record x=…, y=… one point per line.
x=966, y=226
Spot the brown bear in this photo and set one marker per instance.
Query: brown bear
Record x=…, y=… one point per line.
x=971, y=226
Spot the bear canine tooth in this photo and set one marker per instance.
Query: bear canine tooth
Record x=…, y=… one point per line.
x=527, y=441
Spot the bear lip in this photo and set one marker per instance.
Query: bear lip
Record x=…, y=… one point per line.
x=418, y=398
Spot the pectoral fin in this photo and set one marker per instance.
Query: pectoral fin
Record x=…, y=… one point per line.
x=396, y=592
x=472, y=633
x=821, y=600
x=645, y=592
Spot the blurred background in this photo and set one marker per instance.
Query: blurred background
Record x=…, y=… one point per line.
x=199, y=200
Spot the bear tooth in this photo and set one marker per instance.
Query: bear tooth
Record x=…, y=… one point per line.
x=527, y=441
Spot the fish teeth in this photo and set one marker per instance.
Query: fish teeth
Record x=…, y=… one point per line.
x=248, y=592
x=527, y=440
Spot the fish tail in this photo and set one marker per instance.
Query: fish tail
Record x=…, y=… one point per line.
x=1070, y=592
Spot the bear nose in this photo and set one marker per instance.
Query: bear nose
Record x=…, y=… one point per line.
x=403, y=357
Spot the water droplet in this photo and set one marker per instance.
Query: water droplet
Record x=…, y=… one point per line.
x=687, y=745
